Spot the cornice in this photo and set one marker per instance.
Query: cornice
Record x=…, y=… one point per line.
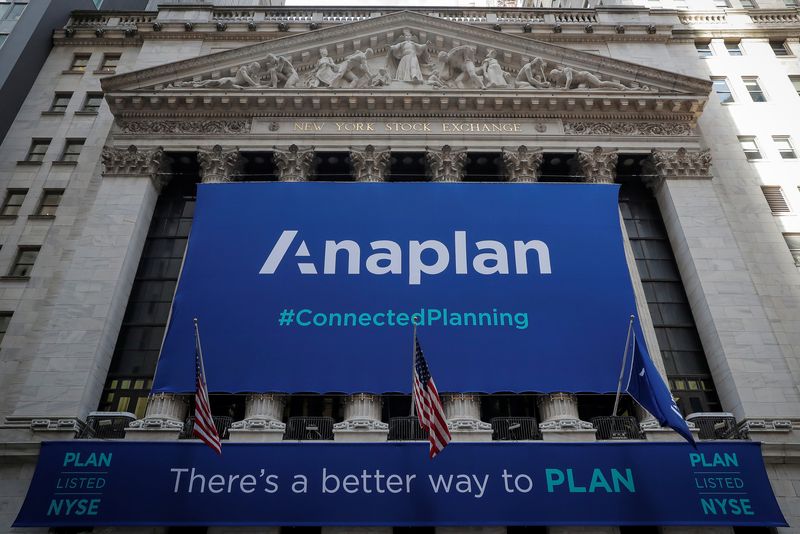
x=464, y=33
x=571, y=104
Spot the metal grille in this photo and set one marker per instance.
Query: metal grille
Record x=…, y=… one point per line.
x=106, y=425
x=718, y=426
x=515, y=428
x=222, y=422
x=406, y=429
x=776, y=200
x=619, y=427
x=309, y=428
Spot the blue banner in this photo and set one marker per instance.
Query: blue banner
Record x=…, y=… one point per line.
x=313, y=287
x=172, y=483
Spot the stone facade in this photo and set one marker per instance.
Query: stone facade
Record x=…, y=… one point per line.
x=216, y=84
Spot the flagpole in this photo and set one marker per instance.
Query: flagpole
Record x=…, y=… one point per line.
x=622, y=371
x=413, y=360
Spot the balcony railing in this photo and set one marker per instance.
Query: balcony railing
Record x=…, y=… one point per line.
x=223, y=423
x=309, y=428
x=720, y=425
x=515, y=428
x=619, y=427
x=406, y=429
x=106, y=425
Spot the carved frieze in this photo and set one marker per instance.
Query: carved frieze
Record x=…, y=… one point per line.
x=681, y=163
x=445, y=165
x=521, y=164
x=598, y=165
x=293, y=163
x=133, y=161
x=627, y=128
x=369, y=164
x=184, y=127
x=217, y=165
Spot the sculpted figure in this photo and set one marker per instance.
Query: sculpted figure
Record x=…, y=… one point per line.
x=403, y=61
x=569, y=78
x=280, y=70
x=381, y=79
x=532, y=75
x=246, y=76
x=493, y=75
x=325, y=71
x=457, y=69
x=353, y=72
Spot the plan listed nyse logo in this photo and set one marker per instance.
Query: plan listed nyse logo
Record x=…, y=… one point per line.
x=488, y=257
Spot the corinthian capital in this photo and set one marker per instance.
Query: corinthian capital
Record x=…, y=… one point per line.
x=370, y=165
x=681, y=163
x=217, y=165
x=521, y=164
x=293, y=163
x=598, y=166
x=445, y=165
x=134, y=162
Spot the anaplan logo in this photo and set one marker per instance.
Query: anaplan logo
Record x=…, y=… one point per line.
x=386, y=257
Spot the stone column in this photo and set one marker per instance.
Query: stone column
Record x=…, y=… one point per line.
x=445, y=164
x=598, y=166
x=293, y=163
x=463, y=412
x=558, y=413
x=262, y=419
x=521, y=164
x=163, y=419
x=217, y=165
x=369, y=164
x=362, y=419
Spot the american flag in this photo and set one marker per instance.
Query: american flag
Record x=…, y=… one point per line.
x=429, y=407
x=203, y=423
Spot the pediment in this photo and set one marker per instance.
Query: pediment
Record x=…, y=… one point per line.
x=410, y=59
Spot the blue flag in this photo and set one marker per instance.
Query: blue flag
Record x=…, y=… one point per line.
x=647, y=387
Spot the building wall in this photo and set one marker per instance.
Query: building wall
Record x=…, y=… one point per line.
x=741, y=280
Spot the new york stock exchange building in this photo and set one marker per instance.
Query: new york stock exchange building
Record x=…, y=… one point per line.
x=547, y=204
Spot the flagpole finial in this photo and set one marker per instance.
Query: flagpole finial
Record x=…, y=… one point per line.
x=632, y=317
x=415, y=319
x=195, y=321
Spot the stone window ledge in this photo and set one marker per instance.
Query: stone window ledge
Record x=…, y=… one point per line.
x=73, y=72
x=29, y=163
x=59, y=162
x=53, y=113
x=8, y=217
x=41, y=217
x=86, y=113
x=14, y=278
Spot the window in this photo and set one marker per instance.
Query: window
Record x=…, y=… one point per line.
x=791, y=3
x=109, y=63
x=750, y=148
x=51, y=198
x=79, y=62
x=60, y=103
x=13, y=202
x=795, y=83
x=92, y=102
x=756, y=93
x=5, y=319
x=734, y=48
x=11, y=10
x=775, y=199
x=779, y=48
x=793, y=242
x=72, y=149
x=3, y=37
x=723, y=91
x=749, y=3
x=704, y=49
x=785, y=147
x=37, y=150
x=23, y=264
x=722, y=3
